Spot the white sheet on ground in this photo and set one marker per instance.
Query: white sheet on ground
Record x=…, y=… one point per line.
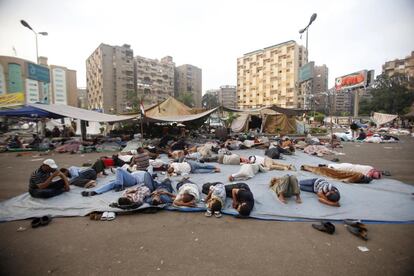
x=381, y=200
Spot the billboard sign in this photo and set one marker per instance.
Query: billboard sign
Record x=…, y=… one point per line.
x=12, y=99
x=37, y=72
x=354, y=80
x=306, y=71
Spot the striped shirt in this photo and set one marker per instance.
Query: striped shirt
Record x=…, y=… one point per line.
x=38, y=177
x=142, y=161
x=321, y=185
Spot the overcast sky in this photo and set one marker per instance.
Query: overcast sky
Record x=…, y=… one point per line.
x=347, y=36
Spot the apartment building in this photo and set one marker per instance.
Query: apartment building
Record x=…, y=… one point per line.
x=269, y=76
x=188, y=80
x=155, y=78
x=227, y=96
x=343, y=103
x=110, y=79
x=403, y=66
x=24, y=82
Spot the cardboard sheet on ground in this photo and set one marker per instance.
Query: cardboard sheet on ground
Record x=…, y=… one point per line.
x=384, y=200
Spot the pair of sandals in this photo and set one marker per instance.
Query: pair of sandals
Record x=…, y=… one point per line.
x=42, y=221
x=217, y=214
x=355, y=227
x=104, y=216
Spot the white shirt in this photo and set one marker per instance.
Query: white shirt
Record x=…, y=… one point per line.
x=258, y=160
x=189, y=188
x=183, y=167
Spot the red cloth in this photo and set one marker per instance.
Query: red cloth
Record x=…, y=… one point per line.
x=108, y=162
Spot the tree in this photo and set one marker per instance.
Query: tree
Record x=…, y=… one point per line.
x=393, y=95
x=209, y=101
x=187, y=99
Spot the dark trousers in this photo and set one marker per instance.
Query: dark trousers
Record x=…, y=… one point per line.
x=206, y=187
x=55, y=188
x=83, y=178
x=98, y=166
x=230, y=187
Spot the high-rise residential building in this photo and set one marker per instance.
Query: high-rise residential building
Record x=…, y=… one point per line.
x=188, y=80
x=227, y=96
x=343, y=103
x=269, y=76
x=320, y=79
x=155, y=78
x=403, y=66
x=82, y=98
x=24, y=82
x=110, y=79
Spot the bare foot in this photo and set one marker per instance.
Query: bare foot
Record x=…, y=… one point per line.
x=231, y=178
x=298, y=200
x=282, y=199
x=217, y=170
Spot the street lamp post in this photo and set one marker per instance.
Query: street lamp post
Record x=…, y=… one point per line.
x=313, y=17
x=25, y=24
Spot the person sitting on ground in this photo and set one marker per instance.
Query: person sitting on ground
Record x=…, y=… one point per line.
x=326, y=192
x=15, y=143
x=55, y=132
x=188, y=194
x=141, y=160
x=243, y=200
x=216, y=198
x=41, y=181
x=36, y=141
x=81, y=177
x=362, y=135
x=123, y=180
x=247, y=171
x=270, y=164
x=284, y=187
x=189, y=166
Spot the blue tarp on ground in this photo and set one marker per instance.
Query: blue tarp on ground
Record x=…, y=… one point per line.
x=384, y=200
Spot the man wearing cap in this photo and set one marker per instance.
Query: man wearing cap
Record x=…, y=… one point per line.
x=41, y=181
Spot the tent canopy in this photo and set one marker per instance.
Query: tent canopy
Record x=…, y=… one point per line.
x=381, y=118
x=268, y=110
x=172, y=110
x=56, y=111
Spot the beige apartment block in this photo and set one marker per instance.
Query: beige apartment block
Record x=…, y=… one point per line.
x=188, y=80
x=403, y=66
x=110, y=79
x=269, y=76
x=155, y=78
x=227, y=96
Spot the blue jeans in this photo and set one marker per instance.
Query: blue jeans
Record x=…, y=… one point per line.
x=123, y=179
x=307, y=185
x=197, y=167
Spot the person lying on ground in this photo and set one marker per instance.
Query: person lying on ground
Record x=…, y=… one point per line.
x=189, y=166
x=81, y=177
x=161, y=192
x=366, y=170
x=188, y=194
x=344, y=176
x=41, y=184
x=232, y=144
x=179, y=144
x=216, y=198
x=326, y=192
x=141, y=159
x=243, y=200
x=123, y=180
x=134, y=196
x=247, y=171
x=286, y=146
x=232, y=159
x=270, y=164
x=286, y=186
